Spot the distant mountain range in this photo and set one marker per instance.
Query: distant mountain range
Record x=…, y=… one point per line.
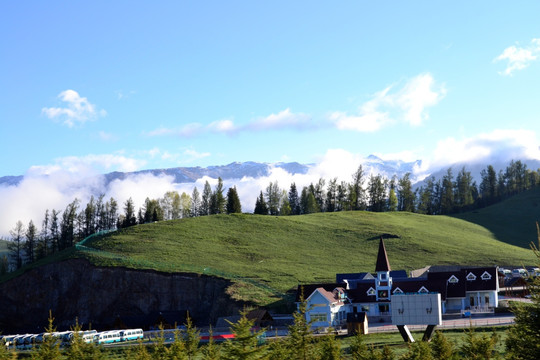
x=238, y=170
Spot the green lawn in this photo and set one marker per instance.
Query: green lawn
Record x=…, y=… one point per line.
x=512, y=221
x=278, y=253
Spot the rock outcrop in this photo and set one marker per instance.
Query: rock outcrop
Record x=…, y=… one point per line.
x=98, y=295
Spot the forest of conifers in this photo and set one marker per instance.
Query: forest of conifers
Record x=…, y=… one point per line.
x=449, y=194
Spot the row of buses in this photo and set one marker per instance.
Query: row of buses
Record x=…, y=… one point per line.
x=29, y=341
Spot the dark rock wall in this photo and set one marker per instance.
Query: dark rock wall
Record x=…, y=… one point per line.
x=99, y=295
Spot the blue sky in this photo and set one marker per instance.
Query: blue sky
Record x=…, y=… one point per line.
x=99, y=86
x=167, y=84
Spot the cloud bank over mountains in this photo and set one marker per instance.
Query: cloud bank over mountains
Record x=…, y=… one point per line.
x=54, y=186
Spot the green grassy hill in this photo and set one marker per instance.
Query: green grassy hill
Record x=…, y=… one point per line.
x=512, y=221
x=267, y=256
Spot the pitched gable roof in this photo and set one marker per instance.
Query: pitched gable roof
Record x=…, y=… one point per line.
x=382, y=258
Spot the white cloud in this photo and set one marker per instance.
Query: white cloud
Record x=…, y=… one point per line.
x=282, y=120
x=497, y=146
x=519, y=57
x=77, y=110
x=105, y=136
x=225, y=126
x=195, y=154
x=407, y=104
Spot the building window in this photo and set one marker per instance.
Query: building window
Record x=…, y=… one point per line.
x=453, y=280
x=423, y=290
x=471, y=277
x=398, y=291
x=486, y=300
x=383, y=294
x=486, y=276
x=365, y=308
x=383, y=276
x=318, y=317
x=371, y=291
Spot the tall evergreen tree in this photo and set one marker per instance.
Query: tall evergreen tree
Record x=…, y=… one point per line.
x=16, y=245
x=405, y=194
x=294, y=200
x=233, y=201
x=332, y=196
x=30, y=243
x=464, y=190
x=260, y=206
x=217, y=200
x=447, y=193
x=392, y=197
x=308, y=201
x=377, y=194
x=49, y=349
x=129, y=214
x=206, y=199
x=522, y=340
x=245, y=345
x=54, y=230
x=300, y=333
x=488, y=186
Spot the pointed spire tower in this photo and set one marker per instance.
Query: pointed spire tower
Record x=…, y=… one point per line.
x=384, y=281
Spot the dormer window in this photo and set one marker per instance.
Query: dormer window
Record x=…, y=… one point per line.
x=423, y=290
x=486, y=276
x=471, y=277
x=398, y=291
x=453, y=279
x=371, y=291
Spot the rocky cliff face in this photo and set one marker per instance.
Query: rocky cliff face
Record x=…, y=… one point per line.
x=99, y=295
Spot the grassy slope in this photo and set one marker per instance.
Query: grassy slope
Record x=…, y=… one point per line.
x=511, y=221
x=284, y=251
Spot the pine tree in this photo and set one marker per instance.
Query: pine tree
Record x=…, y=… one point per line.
x=129, y=214
x=192, y=337
x=476, y=347
x=330, y=347
x=244, y=346
x=78, y=349
x=359, y=350
x=140, y=353
x=300, y=333
x=16, y=245
x=30, y=243
x=441, y=348
x=49, y=349
x=211, y=351
x=294, y=200
x=522, y=340
x=279, y=350
x=260, y=206
x=419, y=350
x=233, y=201
x=177, y=350
x=160, y=351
